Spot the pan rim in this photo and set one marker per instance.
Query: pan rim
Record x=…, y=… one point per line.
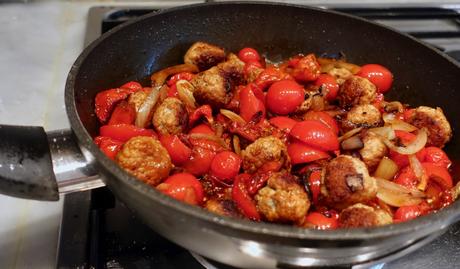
x=431, y=222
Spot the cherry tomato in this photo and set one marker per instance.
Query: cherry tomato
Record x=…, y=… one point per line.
x=177, y=150
x=226, y=165
x=124, y=113
x=249, y=55
x=406, y=177
x=204, y=110
x=437, y=156
x=314, y=183
x=105, y=101
x=322, y=222
x=324, y=118
x=301, y=153
x=269, y=76
x=200, y=161
x=283, y=97
x=132, y=85
x=250, y=104
x=108, y=145
x=402, y=160
x=405, y=213
x=315, y=134
x=183, y=187
x=242, y=199
x=407, y=114
x=179, y=76
x=202, y=129
x=379, y=75
x=306, y=69
x=438, y=174
x=124, y=132
x=283, y=123
x=330, y=84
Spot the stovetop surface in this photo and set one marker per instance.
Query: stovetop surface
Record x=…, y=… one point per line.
x=97, y=231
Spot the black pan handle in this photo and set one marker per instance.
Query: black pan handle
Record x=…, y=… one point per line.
x=36, y=165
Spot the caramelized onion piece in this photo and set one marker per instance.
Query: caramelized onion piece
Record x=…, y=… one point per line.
x=419, y=172
x=159, y=78
x=210, y=137
x=386, y=169
x=412, y=148
x=352, y=143
x=384, y=132
x=327, y=64
x=396, y=188
x=397, y=195
x=350, y=134
x=236, y=145
x=232, y=116
x=185, y=92
x=142, y=115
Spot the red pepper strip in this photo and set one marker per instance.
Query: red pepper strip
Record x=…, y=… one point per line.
x=132, y=85
x=204, y=110
x=250, y=104
x=314, y=183
x=105, y=101
x=124, y=132
x=242, y=199
x=306, y=69
x=257, y=181
x=124, y=113
x=109, y=146
x=179, y=76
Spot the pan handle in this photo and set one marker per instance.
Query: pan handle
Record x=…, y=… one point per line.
x=40, y=166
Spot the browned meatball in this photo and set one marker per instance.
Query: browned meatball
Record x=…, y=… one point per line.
x=215, y=85
x=341, y=74
x=366, y=116
x=346, y=181
x=138, y=98
x=360, y=215
x=373, y=151
x=434, y=120
x=264, y=150
x=170, y=117
x=145, y=158
x=223, y=207
x=204, y=55
x=356, y=91
x=283, y=199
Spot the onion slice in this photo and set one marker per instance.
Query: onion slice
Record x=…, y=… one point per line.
x=397, y=195
x=236, y=145
x=384, y=132
x=232, y=116
x=142, y=115
x=350, y=134
x=210, y=137
x=159, y=78
x=384, y=184
x=419, y=172
x=352, y=143
x=412, y=148
x=185, y=92
x=386, y=169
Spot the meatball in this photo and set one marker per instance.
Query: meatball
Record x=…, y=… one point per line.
x=366, y=116
x=204, y=55
x=434, y=120
x=223, y=207
x=360, y=215
x=170, y=117
x=373, y=151
x=145, y=158
x=346, y=181
x=264, y=150
x=356, y=91
x=341, y=74
x=283, y=199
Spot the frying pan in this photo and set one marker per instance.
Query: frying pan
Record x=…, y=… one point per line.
x=134, y=50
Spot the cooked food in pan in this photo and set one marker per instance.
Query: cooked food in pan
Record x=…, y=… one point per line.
x=310, y=141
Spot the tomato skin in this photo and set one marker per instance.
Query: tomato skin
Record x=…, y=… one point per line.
x=322, y=222
x=379, y=75
x=249, y=55
x=306, y=69
x=124, y=132
x=437, y=156
x=105, y=102
x=284, y=96
x=202, y=129
x=300, y=153
x=324, y=118
x=405, y=213
x=438, y=174
x=124, y=113
x=200, y=161
x=330, y=83
x=402, y=160
x=177, y=150
x=109, y=146
x=315, y=134
x=242, y=198
x=204, y=110
x=283, y=123
x=314, y=183
x=225, y=165
x=269, y=76
x=183, y=187
x=250, y=104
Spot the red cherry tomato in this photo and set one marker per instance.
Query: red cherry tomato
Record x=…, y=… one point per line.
x=330, y=84
x=406, y=177
x=249, y=55
x=438, y=174
x=306, y=69
x=124, y=132
x=108, y=145
x=105, y=101
x=226, y=165
x=314, y=183
x=283, y=123
x=179, y=76
x=200, y=161
x=324, y=118
x=204, y=110
x=177, y=150
x=379, y=75
x=242, y=198
x=322, y=222
x=315, y=134
x=183, y=187
x=405, y=213
x=132, y=85
x=269, y=76
x=250, y=104
x=124, y=113
x=301, y=153
x=437, y=156
x=283, y=97
x=202, y=129
x=402, y=160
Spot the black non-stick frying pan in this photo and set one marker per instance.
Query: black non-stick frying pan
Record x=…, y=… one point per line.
x=134, y=50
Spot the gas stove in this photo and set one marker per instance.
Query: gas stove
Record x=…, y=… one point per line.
x=97, y=231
